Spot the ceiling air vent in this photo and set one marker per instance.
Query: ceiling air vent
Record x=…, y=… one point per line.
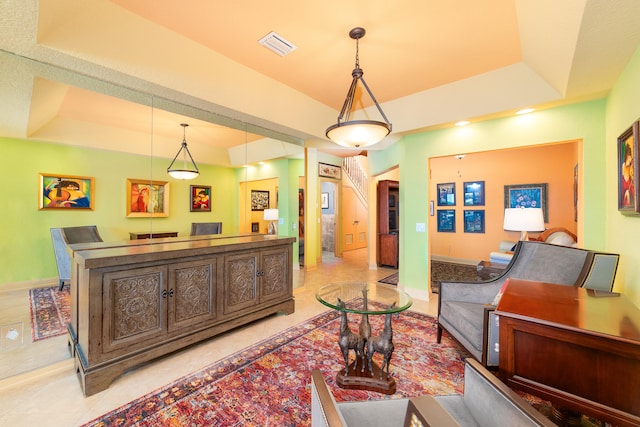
x=277, y=43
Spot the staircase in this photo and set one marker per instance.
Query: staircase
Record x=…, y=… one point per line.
x=351, y=167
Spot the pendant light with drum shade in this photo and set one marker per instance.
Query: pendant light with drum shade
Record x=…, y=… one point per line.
x=358, y=133
x=189, y=169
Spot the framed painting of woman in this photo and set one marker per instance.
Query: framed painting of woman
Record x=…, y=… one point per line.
x=628, y=200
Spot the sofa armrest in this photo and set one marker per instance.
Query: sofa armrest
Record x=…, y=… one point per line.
x=489, y=399
x=479, y=292
x=324, y=412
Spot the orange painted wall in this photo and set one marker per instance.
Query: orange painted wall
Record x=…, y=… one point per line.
x=552, y=164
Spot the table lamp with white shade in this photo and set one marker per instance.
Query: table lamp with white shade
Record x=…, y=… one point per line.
x=271, y=215
x=523, y=220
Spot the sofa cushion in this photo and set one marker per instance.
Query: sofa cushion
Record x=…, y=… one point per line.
x=454, y=405
x=374, y=412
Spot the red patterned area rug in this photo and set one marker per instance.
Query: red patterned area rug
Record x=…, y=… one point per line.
x=49, y=312
x=268, y=384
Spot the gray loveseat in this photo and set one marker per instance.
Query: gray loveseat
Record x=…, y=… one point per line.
x=465, y=309
x=486, y=402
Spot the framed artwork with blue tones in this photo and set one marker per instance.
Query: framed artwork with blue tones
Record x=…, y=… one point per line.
x=446, y=220
x=527, y=196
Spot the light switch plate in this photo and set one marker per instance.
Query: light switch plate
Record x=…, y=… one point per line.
x=420, y=227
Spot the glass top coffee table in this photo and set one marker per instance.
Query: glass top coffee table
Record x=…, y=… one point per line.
x=365, y=299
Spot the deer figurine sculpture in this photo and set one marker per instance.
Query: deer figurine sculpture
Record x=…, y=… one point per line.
x=365, y=327
x=349, y=341
x=383, y=344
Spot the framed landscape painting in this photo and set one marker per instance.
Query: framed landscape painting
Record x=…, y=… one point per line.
x=329, y=171
x=66, y=192
x=147, y=198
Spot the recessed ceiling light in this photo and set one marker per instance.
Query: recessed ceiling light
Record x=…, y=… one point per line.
x=463, y=123
x=525, y=111
x=460, y=156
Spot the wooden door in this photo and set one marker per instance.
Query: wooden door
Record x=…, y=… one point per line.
x=354, y=221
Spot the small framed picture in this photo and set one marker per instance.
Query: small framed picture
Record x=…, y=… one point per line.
x=474, y=221
x=147, y=198
x=255, y=227
x=325, y=201
x=628, y=198
x=447, y=194
x=446, y=220
x=329, y=171
x=259, y=200
x=474, y=193
x=66, y=192
x=200, y=198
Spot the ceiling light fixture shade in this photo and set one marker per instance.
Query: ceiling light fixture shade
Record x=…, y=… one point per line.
x=188, y=171
x=358, y=133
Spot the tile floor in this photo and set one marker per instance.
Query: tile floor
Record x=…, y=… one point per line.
x=52, y=396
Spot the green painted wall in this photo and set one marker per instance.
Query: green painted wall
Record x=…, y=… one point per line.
x=623, y=232
x=25, y=241
x=287, y=171
x=583, y=121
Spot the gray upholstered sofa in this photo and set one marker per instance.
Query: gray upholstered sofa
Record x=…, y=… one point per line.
x=465, y=309
x=486, y=402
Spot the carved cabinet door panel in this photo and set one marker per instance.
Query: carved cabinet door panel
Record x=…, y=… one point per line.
x=274, y=269
x=191, y=293
x=240, y=281
x=133, y=307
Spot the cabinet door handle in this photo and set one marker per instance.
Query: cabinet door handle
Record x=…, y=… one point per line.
x=164, y=293
x=259, y=273
x=171, y=292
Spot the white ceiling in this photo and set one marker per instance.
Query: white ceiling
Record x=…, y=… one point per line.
x=428, y=62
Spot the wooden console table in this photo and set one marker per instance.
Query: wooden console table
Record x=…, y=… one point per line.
x=148, y=235
x=133, y=302
x=576, y=347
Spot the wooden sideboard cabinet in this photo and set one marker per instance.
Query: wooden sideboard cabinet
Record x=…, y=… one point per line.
x=132, y=304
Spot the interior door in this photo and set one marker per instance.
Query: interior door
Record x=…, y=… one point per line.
x=354, y=221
